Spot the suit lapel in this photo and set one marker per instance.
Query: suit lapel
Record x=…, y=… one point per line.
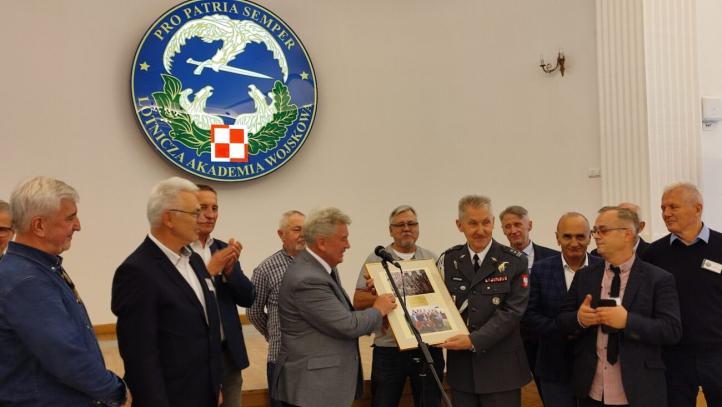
x=337, y=289
x=636, y=276
x=175, y=277
x=596, y=281
x=559, y=279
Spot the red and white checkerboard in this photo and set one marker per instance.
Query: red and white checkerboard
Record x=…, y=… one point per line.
x=229, y=143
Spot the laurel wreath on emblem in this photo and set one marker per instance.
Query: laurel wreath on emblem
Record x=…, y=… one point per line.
x=187, y=132
x=502, y=266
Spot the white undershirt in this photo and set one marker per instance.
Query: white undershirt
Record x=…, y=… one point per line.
x=404, y=256
x=182, y=263
x=569, y=273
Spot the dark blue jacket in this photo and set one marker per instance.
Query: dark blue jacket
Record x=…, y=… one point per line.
x=234, y=289
x=49, y=355
x=172, y=353
x=548, y=290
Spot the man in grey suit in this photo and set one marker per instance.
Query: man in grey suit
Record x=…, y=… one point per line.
x=319, y=363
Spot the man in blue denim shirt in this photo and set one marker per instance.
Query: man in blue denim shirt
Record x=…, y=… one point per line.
x=49, y=355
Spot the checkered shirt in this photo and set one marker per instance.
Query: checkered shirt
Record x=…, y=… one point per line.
x=263, y=314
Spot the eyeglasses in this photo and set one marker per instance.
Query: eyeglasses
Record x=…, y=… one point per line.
x=194, y=214
x=603, y=230
x=5, y=231
x=401, y=225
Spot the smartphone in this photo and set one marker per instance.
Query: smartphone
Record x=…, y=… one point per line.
x=607, y=302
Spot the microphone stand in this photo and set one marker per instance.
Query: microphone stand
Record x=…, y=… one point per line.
x=423, y=346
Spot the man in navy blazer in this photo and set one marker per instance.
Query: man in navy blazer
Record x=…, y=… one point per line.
x=233, y=289
x=641, y=245
x=549, y=281
x=620, y=329
x=168, y=320
x=516, y=225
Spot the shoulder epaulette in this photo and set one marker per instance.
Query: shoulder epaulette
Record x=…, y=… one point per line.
x=511, y=251
x=453, y=249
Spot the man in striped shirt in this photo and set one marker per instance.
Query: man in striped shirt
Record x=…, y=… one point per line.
x=267, y=277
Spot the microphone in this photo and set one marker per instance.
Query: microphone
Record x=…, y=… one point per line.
x=386, y=256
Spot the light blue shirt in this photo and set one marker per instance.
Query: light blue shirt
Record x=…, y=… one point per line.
x=703, y=236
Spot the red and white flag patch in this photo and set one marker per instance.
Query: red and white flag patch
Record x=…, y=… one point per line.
x=525, y=280
x=229, y=143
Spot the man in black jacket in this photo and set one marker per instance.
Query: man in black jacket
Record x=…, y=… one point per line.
x=620, y=329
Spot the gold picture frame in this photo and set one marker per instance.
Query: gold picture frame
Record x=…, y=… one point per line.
x=427, y=299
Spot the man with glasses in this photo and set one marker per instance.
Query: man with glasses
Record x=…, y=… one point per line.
x=692, y=252
x=233, y=289
x=168, y=326
x=390, y=367
x=620, y=328
x=6, y=227
x=641, y=244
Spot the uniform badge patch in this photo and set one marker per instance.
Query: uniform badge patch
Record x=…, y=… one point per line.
x=224, y=90
x=525, y=280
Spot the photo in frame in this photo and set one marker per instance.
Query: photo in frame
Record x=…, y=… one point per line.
x=432, y=310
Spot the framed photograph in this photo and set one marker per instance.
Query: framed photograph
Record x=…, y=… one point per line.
x=432, y=311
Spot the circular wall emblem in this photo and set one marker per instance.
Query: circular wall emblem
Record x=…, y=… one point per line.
x=223, y=89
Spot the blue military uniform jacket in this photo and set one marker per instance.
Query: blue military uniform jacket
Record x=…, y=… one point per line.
x=492, y=302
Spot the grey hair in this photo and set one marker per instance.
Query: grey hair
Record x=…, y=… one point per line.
x=38, y=196
x=164, y=195
x=401, y=209
x=283, y=223
x=632, y=207
x=474, y=201
x=692, y=194
x=517, y=210
x=4, y=206
x=322, y=222
x=625, y=215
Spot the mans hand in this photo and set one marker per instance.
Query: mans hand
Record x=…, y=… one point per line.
x=237, y=247
x=587, y=315
x=224, y=259
x=616, y=317
x=369, y=283
x=385, y=303
x=457, y=342
x=128, y=400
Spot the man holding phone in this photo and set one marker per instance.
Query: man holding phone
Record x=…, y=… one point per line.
x=620, y=329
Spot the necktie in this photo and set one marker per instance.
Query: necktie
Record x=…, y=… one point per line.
x=613, y=344
x=476, y=263
x=616, y=282
x=70, y=284
x=334, y=274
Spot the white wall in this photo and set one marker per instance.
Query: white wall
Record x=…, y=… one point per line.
x=709, y=32
x=420, y=102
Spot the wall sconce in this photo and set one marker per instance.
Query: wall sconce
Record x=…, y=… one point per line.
x=548, y=68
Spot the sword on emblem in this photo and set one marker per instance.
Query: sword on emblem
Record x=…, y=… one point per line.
x=226, y=68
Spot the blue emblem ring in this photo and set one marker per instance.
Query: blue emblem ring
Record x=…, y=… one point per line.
x=224, y=90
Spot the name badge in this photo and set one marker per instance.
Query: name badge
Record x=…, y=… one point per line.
x=712, y=266
x=211, y=287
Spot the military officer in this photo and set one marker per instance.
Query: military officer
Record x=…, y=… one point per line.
x=489, y=283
